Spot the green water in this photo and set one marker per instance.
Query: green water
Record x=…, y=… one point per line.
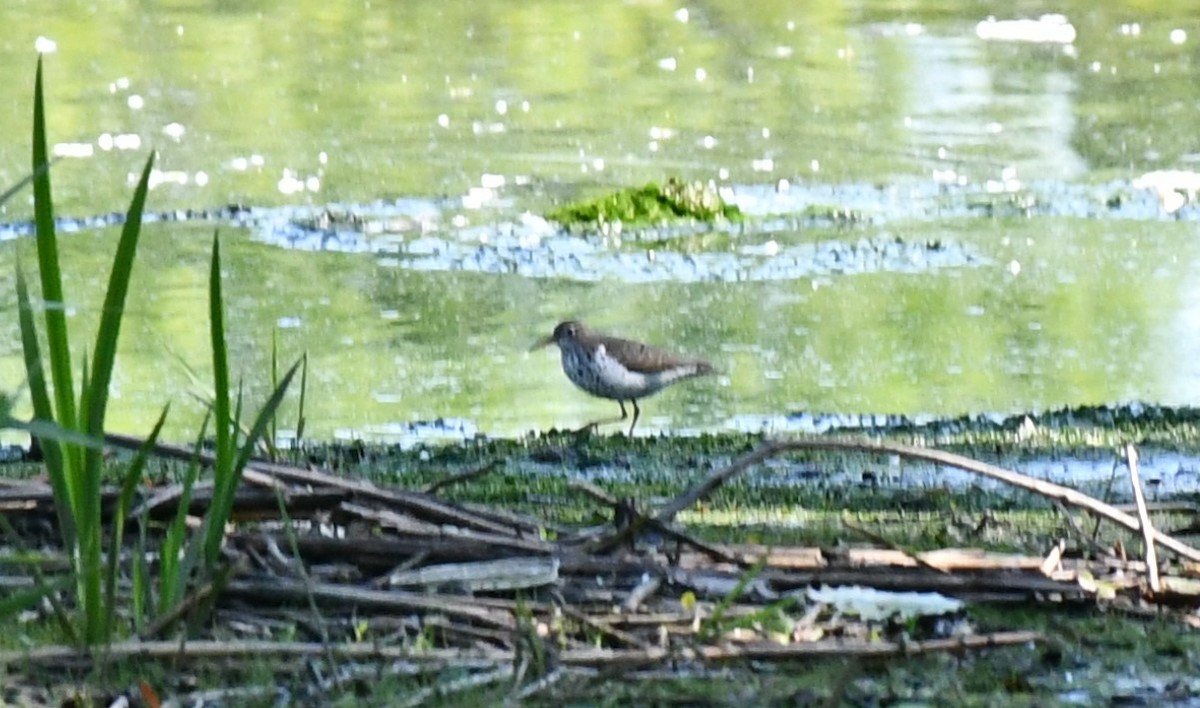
x=381, y=100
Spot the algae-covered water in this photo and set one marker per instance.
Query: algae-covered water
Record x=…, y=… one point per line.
x=947, y=214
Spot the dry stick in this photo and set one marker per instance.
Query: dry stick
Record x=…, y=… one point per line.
x=880, y=540
x=393, y=600
x=479, y=658
x=1053, y=559
x=715, y=552
x=272, y=473
x=593, y=491
x=949, y=459
x=412, y=562
x=716, y=479
x=640, y=523
x=463, y=477
x=1131, y=461
x=588, y=534
x=189, y=602
x=411, y=502
x=1089, y=541
x=604, y=628
x=1112, y=476
x=641, y=592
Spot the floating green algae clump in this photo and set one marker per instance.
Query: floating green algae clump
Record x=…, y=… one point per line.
x=674, y=201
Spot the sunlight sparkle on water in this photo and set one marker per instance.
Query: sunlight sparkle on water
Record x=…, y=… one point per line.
x=241, y=164
x=1049, y=29
x=123, y=141
x=161, y=177
x=76, y=150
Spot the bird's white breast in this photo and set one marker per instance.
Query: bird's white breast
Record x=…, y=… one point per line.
x=601, y=375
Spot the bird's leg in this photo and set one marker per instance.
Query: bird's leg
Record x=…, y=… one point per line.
x=636, y=412
x=605, y=421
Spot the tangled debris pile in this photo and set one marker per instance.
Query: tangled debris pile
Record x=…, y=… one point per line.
x=375, y=580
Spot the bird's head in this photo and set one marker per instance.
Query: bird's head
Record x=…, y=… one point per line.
x=564, y=331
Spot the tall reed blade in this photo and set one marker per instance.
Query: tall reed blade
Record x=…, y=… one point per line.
x=75, y=467
x=57, y=340
x=222, y=417
x=105, y=354
x=231, y=461
x=44, y=410
x=133, y=476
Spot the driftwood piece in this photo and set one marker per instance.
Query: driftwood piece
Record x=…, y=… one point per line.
x=385, y=552
x=284, y=590
x=1047, y=489
x=482, y=576
x=482, y=658
x=421, y=505
x=1139, y=498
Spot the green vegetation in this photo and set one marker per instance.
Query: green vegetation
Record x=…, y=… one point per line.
x=70, y=431
x=72, y=464
x=805, y=505
x=674, y=201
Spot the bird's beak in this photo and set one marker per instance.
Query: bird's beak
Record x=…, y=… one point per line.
x=543, y=342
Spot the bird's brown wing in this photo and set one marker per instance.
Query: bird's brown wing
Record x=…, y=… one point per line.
x=645, y=359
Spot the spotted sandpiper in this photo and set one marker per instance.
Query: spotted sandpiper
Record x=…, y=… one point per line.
x=618, y=369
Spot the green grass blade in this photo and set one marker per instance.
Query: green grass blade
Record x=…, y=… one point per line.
x=57, y=340
x=43, y=409
x=223, y=473
x=48, y=430
x=92, y=407
x=89, y=577
x=13, y=190
x=111, y=316
x=264, y=417
x=142, y=600
x=174, y=571
x=237, y=419
x=225, y=487
x=303, y=397
x=220, y=353
x=274, y=432
x=714, y=624
x=133, y=476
